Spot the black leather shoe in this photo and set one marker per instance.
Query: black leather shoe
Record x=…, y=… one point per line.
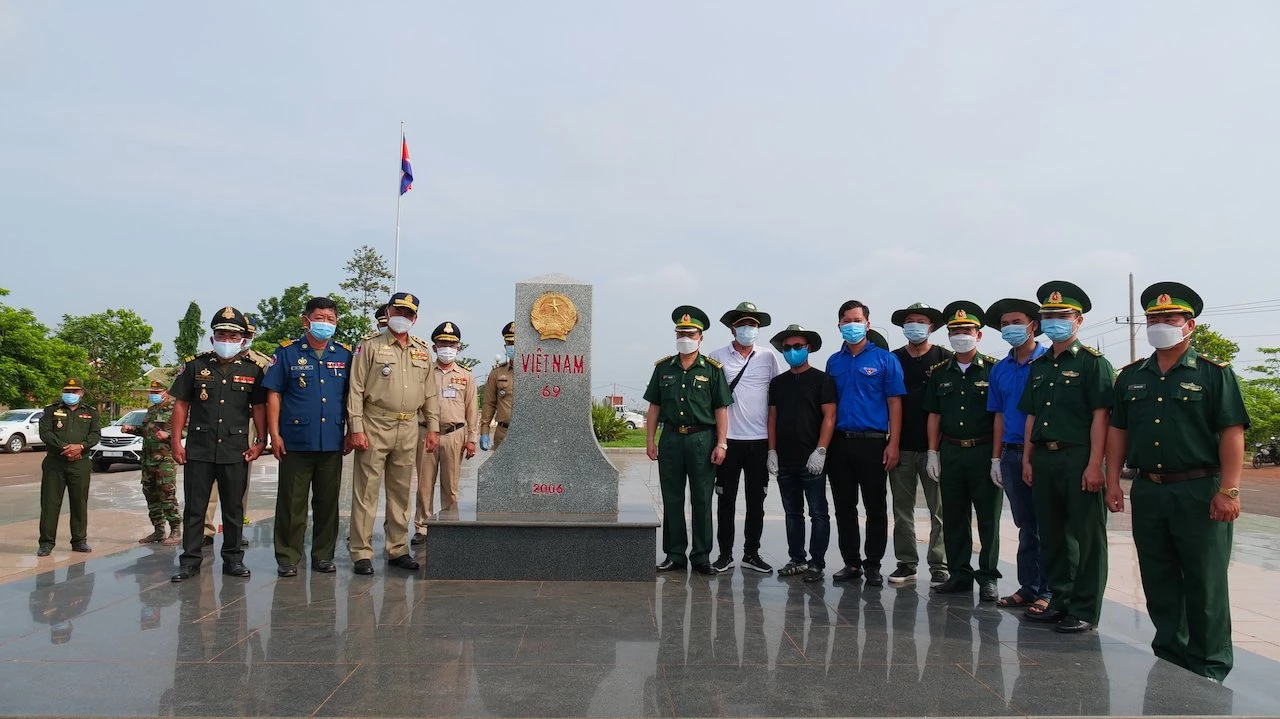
x=705, y=568
x=848, y=574
x=418, y=540
x=44, y=550
x=185, y=572
x=81, y=546
x=364, y=566
x=669, y=566
x=1071, y=624
x=988, y=592
x=404, y=561
x=235, y=569
x=874, y=577
x=323, y=566
x=286, y=571
x=1046, y=617
x=244, y=542
x=955, y=585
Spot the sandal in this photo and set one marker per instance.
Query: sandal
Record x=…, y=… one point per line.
x=1013, y=600
x=1038, y=608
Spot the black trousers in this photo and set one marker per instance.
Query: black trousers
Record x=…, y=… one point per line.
x=855, y=465
x=198, y=479
x=744, y=457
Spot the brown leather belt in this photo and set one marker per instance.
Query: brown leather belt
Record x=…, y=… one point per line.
x=976, y=441
x=692, y=428
x=446, y=428
x=1056, y=446
x=1174, y=477
x=1013, y=446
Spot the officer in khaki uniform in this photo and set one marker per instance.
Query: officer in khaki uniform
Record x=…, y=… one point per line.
x=960, y=435
x=211, y=515
x=688, y=393
x=1068, y=403
x=459, y=426
x=498, y=391
x=1179, y=420
x=393, y=388
x=68, y=428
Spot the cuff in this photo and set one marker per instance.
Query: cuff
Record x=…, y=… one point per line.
x=356, y=425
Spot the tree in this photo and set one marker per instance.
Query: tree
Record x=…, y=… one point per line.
x=280, y=318
x=367, y=284
x=190, y=332
x=1263, y=406
x=468, y=363
x=1213, y=344
x=1269, y=369
x=119, y=346
x=33, y=365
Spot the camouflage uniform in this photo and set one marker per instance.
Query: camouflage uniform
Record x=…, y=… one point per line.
x=158, y=469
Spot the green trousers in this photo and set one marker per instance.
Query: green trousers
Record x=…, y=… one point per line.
x=1073, y=532
x=301, y=473
x=686, y=458
x=904, y=479
x=59, y=477
x=967, y=490
x=1183, y=557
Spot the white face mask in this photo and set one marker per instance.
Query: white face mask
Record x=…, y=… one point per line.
x=447, y=354
x=1162, y=336
x=686, y=345
x=963, y=343
x=746, y=335
x=399, y=324
x=227, y=350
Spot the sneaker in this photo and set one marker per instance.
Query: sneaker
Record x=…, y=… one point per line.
x=873, y=576
x=814, y=574
x=938, y=577
x=755, y=563
x=903, y=574
x=723, y=564
x=793, y=568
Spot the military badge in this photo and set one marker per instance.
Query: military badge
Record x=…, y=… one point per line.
x=1190, y=386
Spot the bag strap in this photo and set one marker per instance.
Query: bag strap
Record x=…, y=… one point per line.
x=735, y=381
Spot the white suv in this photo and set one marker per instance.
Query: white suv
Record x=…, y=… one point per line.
x=19, y=428
x=116, y=445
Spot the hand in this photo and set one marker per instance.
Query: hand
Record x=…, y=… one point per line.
x=717, y=456
x=162, y=435
x=179, y=452
x=1092, y=481
x=1026, y=473
x=1115, y=498
x=486, y=444
x=432, y=441
x=73, y=452
x=817, y=460
x=360, y=441
x=277, y=446
x=933, y=464
x=997, y=478
x=771, y=462
x=254, y=451
x=650, y=449
x=1224, y=508
x=469, y=450
x=890, y=457
x=346, y=445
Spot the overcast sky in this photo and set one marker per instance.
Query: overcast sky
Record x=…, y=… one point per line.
x=791, y=154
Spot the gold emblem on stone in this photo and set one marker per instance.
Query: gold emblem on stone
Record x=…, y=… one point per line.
x=553, y=316
x=228, y=313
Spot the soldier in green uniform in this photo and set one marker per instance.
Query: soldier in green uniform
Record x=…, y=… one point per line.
x=1179, y=420
x=689, y=395
x=960, y=433
x=1068, y=405
x=68, y=429
x=158, y=470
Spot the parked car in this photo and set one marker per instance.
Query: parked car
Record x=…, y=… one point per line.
x=116, y=445
x=634, y=420
x=20, y=428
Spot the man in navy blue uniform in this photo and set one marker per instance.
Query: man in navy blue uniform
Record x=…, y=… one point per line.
x=306, y=414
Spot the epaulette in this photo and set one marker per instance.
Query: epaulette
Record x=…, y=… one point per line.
x=206, y=353
x=664, y=359
x=990, y=360
x=419, y=340
x=940, y=364
x=260, y=361
x=370, y=336
x=1091, y=350
x=286, y=343
x=1214, y=361
x=345, y=346
x=188, y=358
x=714, y=363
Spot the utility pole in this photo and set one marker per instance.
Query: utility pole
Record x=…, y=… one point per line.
x=1133, y=325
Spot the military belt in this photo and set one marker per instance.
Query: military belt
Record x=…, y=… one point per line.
x=692, y=428
x=862, y=435
x=1056, y=446
x=1174, y=477
x=967, y=442
x=452, y=427
x=401, y=416
x=505, y=425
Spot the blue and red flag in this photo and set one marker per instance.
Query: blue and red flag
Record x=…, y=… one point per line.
x=406, y=170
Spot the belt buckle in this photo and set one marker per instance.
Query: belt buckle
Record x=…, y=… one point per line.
x=1052, y=446
x=1158, y=479
x=682, y=429
x=967, y=443
x=404, y=416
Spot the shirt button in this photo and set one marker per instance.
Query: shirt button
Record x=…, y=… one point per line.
x=322, y=419
x=1162, y=379
x=219, y=421
x=961, y=406
x=323, y=400
x=1157, y=444
x=1047, y=403
x=224, y=381
x=1157, y=421
x=1050, y=384
x=1046, y=424
x=1159, y=466
x=682, y=414
x=681, y=386
x=321, y=381
x=222, y=401
x=219, y=439
x=962, y=424
x=1159, y=399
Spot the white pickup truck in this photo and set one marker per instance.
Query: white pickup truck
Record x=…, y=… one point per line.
x=20, y=428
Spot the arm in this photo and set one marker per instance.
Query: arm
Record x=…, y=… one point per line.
x=1027, y=448
x=259, y=413
x=180, y=410
x=1231, y=459
x=490, y=404
x=472, y=418
x=828, y=425
x=997, y=435
x=773, y=428
x=273, y=423
x=651, y=427
x=355, y=392
x=51, y=440
x=895, y=433
x=1092, y=480
x=722, y=435
x=933, y=428
x=95, y=434
x=430, y=410
x=1117, y=440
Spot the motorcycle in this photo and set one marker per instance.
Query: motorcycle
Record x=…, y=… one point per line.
x=1266, y=453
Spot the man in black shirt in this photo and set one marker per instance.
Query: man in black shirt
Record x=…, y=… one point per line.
x=917, y=358
x=802, y=418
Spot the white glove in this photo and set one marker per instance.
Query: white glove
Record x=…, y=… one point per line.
x=933, y=464
x=996, y=477
x=816, y=461
x=772, y=462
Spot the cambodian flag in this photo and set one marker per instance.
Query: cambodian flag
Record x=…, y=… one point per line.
x=406, y=170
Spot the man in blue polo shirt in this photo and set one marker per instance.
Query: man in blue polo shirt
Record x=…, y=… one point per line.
x=1016, y=320
x=864, y=448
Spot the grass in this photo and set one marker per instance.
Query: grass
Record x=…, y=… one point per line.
x=633, y=438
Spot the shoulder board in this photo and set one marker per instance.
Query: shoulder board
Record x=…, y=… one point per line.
x=286, y=343
x=345, y=346
x=714, y=363
x=206, y=353
x=369, y=336
x=664, y=359
x=188, y=358
x=419, y=340
x=939, y=365
x=990, y=360
x=1214, y=361
x=1092, y=350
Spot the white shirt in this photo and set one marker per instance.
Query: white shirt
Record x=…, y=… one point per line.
x=749, y=413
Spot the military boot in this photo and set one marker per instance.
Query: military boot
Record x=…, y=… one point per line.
x=155, y=537
x=175, y=536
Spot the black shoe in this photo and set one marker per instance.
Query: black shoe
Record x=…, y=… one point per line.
x=324, y=566
x=938, y=577
x=44, y=550
x=669, y=565
x=793, y=568
x=955, y=585
x=185, y=572
x=874, y=577
x=235, y=569
x=244, y=542
x=207, y=542
x=723, y=563
x=705, y=568
x=286, y=571
x=81, y=546
x=988, y=592
x=756, y=564
x=813, y=574
x=903, y=574
x=418, y=540
x=1045, y=617
x=404, y=561
x=364, y=566
x=848, y=574
x=1072, y=624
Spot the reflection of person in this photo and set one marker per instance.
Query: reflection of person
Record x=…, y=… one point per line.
x=498, y=393
x=459, y=427
x=159, y=473
x=147, y=571
x=57, y=603
x=1179, y=420
x=68, y=428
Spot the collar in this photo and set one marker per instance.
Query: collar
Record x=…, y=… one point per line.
x=977, y=361
x=699, y=362
x=1074, y=349
x=1188, y=360
x=1035, y=353
x=847, y=348
x=305, y=344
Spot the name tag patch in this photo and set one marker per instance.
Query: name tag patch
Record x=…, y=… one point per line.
x=240, y=378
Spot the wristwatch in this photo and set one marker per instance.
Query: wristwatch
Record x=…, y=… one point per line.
x=1233, y=492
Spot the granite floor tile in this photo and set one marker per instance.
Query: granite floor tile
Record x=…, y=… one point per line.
x=409, y=645
x=633, y=612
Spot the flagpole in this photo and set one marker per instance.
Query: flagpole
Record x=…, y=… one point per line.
x=395, y=281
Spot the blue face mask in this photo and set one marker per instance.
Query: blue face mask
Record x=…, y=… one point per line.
x=854, y=332
x=915, y=332
x=70, y=398
x=156, y=398
x=1058, y=330
x=746, y=335
x=322, y=330
x=511, y=351
x=1015, y=335
x=796, y=357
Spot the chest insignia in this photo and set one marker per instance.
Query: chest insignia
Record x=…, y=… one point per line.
x=869, y=371
x=59, y=413
x=982, y=383
x=1190, y=386
x=205, y=373
x=668, y=376
x=85, y=416
x=386, y=370
x=1137, y=386
x=1070, y=373
x=238, y=378
x=302, y=360
x=335, y=365
x=944, y=385
x=700, y=378
x=418, y=354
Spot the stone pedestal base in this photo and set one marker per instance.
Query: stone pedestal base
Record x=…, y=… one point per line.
x=613, y=547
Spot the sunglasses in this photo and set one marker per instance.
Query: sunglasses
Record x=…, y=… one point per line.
x=794, y=347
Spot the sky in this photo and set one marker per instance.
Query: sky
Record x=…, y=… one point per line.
x=795, y=155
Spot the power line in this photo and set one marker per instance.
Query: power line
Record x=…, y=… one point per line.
x=1242, y=304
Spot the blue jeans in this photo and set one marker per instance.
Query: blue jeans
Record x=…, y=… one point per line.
x=796, y=487
x=1030, y=560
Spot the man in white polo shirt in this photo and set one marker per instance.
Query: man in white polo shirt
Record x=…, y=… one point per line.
x=748, y=369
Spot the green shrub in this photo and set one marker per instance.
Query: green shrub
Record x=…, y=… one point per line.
x=606, y=423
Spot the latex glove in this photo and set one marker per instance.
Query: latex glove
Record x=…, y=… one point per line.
x=817, y=460
x=933, y=464
x=486, y=444
x=996, y=477
x=771, y=462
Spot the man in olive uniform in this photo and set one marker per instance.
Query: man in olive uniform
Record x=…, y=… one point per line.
x=960, y=435
x=459, y=426
x=498, y=391
x=1068, y=405
x=68, y=428
x=1179, y=420
x=215, y=394
x=159, y=473
x=688, y=393
x=393, y=389
x=211, y=514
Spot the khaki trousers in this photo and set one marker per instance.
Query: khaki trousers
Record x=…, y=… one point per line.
x=444, y=464
x=499, y=434
x=389, y=460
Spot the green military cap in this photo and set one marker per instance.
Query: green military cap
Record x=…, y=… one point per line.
x=1002, y=307
x=1171, y=297
x=745, y=310
x=380, y=315
x=509, y=332
x=447, y=332
x=813, y=338
x=1060, y=295
x=877, y=339
x=405, y=300
x=72, y=385
x=962, y=313
x=230, y=319
x=157, y=387
x=899, y=317
x=688, y=317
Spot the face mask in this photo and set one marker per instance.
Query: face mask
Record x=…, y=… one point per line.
x=854, y=332
x=796, y=357
x=227, y=350
x=70, y=398
x=746, y=335
x=963, y=343
x=1162, y=337
x=399, y=325
x=686, y=345
x=322, y=330
x=382, y=330
x=1058, y=330
x=916, y=332
x=447, y=354
x=1015, y=335
x=511, y=351
x=156, y=398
